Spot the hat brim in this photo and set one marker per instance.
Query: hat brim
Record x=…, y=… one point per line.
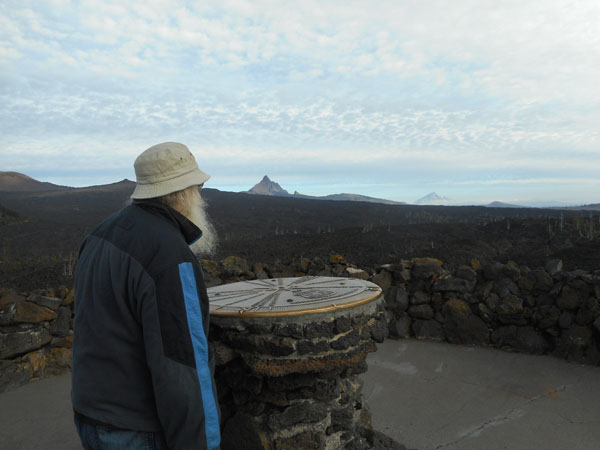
x=194, y=178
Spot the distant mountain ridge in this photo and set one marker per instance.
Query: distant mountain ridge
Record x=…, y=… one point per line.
x=18, y=182
x=588, y=207
x=498, y=204
x=15, y=183
x=268, y=187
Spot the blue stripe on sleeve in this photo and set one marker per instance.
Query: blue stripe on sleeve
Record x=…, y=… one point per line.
x=200, y=345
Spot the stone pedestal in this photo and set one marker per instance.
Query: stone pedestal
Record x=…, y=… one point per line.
x=288, y=354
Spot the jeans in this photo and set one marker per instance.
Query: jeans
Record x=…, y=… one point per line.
x=95, y=437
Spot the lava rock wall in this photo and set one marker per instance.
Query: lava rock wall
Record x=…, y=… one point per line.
x=36, y=335
x=543, y=310
x=507, y=306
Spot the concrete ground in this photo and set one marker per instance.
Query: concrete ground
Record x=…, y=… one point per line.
x=432, y=396
x=425, y=395
x=38, y=416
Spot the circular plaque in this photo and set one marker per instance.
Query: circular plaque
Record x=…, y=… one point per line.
x=290, y=296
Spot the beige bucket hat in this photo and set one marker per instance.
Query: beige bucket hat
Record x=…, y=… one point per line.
x=165, y=168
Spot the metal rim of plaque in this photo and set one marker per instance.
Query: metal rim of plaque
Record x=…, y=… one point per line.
x=290, y=296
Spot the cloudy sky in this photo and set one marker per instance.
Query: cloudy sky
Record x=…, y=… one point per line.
x=476, y=100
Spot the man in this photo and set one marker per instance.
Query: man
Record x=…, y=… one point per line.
x=142, y=368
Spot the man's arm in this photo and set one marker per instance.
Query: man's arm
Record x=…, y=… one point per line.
x=177, y=351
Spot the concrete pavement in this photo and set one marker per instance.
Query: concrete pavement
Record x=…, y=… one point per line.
x=425, y=395
x=38, y=416
x=432, y=396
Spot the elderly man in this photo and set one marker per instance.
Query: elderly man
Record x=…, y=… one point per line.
x=142, y=367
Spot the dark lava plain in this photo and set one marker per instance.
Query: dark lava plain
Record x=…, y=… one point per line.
x=40, y=232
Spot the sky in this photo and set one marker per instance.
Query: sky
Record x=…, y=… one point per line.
x=477, y=100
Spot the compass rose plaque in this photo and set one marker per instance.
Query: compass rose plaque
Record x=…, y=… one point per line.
x=290, y=296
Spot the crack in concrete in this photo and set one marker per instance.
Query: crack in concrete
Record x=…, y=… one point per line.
x=514, y=413
x=576, y=422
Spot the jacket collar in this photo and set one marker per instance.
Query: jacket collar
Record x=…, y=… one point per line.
x=191, y=233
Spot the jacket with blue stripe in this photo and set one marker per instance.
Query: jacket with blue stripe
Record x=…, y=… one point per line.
x=141, y=359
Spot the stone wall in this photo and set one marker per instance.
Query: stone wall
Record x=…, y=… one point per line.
x=543, y=310
x=35, y=335
x=512, y=307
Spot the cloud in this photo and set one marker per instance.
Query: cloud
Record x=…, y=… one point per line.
x=416, y=89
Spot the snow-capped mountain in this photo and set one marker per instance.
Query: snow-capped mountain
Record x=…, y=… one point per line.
x=433, y=199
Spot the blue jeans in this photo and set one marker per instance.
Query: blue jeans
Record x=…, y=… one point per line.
x=95, y=437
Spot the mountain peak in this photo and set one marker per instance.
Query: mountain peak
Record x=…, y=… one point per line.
x=433, y=199
x=268, y=187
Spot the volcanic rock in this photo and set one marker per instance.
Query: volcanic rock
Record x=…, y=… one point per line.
x=462, y=326
x=524, y=339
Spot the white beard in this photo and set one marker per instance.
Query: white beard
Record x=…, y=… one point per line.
x=207, y=244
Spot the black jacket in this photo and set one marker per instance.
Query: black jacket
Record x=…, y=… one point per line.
x=141, y=359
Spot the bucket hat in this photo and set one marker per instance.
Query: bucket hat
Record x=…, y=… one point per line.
x=165, y=168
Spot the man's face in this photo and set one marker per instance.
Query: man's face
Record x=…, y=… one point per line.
x=196, y=212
